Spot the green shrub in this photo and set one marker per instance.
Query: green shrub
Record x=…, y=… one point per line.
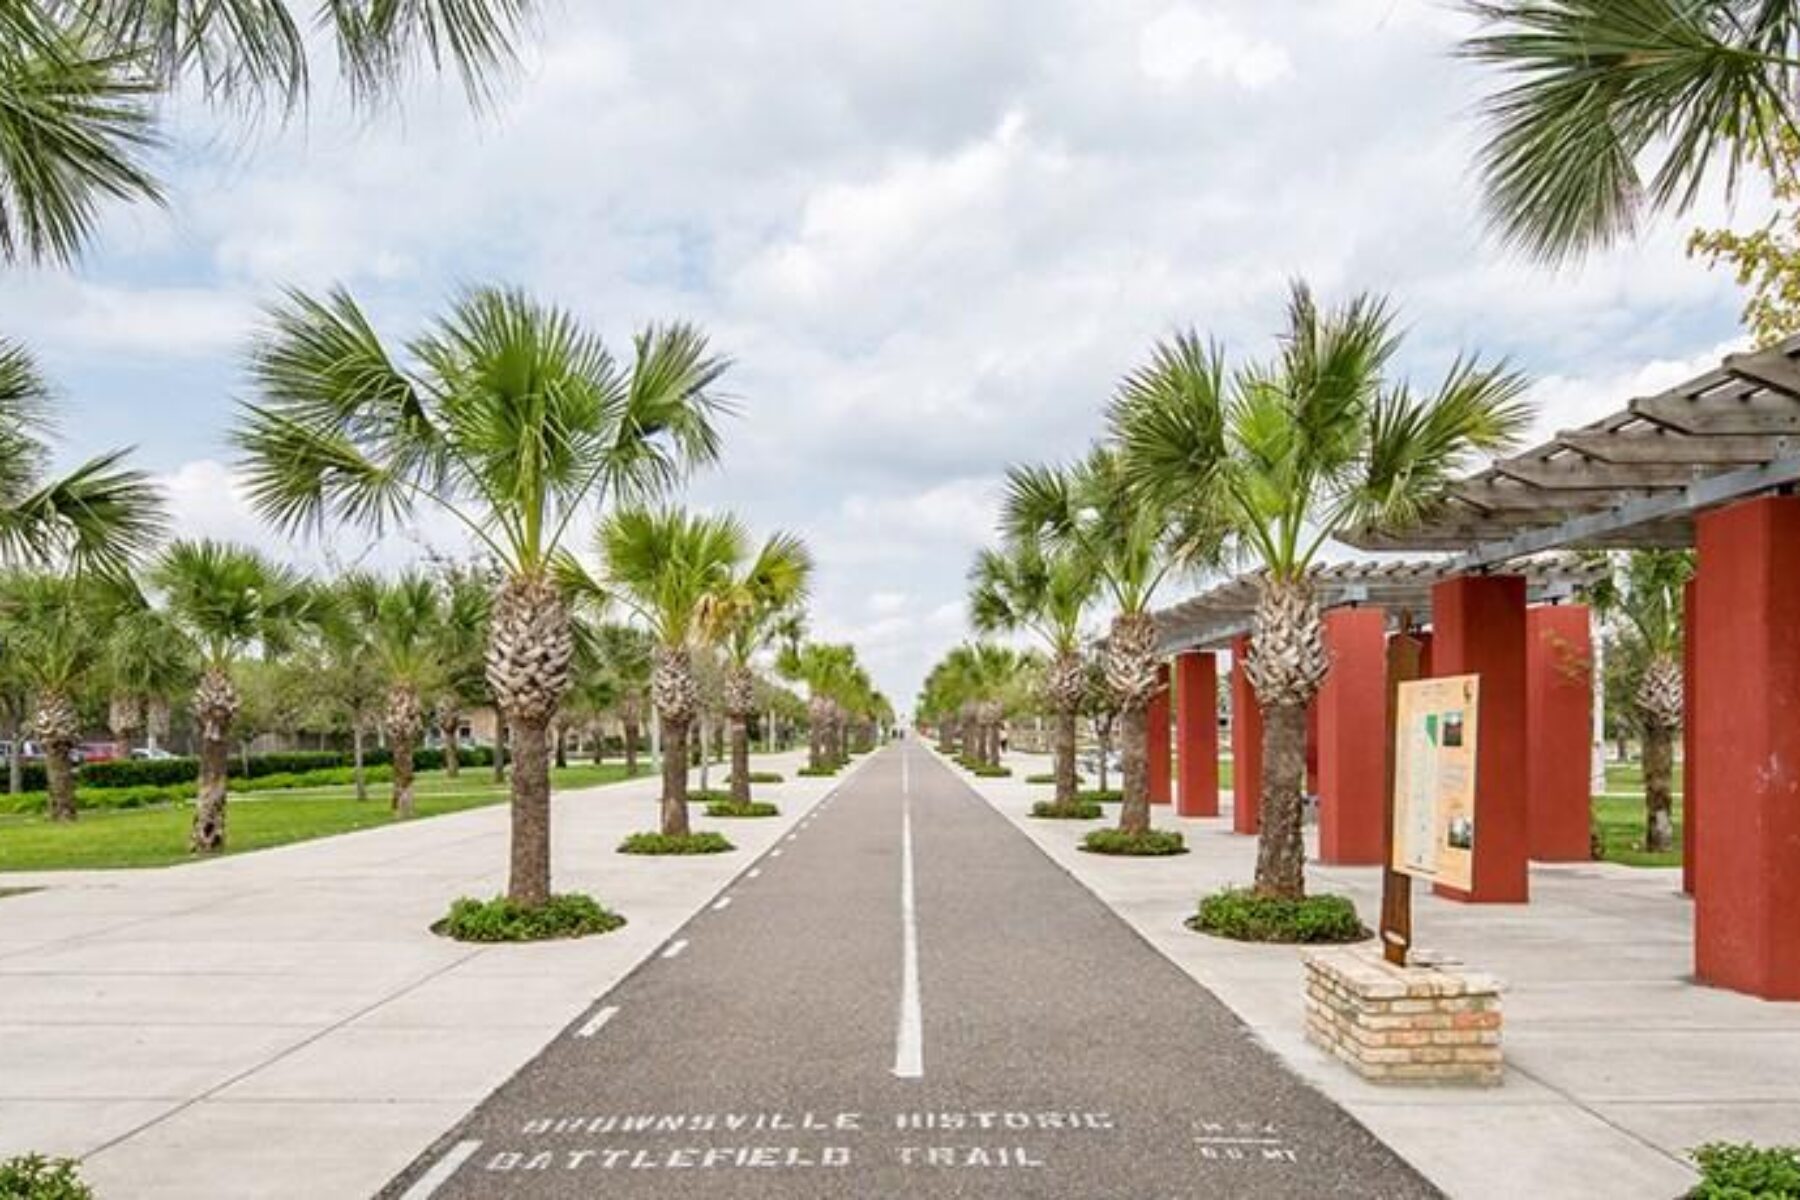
x=1741, y=1171
x=34, y=1177
x=31, y=776
x=1077, y=811
x=985, y=772
x=1244, y=916
x=1040, y=778
x=810, y=772
x=1096, y=796
x=1148, y=844
x=756, y=808
x=298, y=768
x=568, y=915
x=762, y=777
x=706, y=842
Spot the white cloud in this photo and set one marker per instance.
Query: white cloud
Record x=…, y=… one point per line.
x=1185, y=40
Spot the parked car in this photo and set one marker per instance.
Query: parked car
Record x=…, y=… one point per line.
x=150, y=753
x=91, y=752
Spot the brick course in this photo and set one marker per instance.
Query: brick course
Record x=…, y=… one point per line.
x=1426, y=1024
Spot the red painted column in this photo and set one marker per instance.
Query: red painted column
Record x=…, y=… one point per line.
x=1424, y=638
x=1197, y=734
x=1156, y=742
x=1478, y=625
x=1246, y=746
x=1352, y=708
x=1559, y=726
x=1690, y=704
x=1312, y=748
x=1747, y=742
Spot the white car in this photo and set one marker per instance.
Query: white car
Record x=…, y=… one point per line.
x=153, y=753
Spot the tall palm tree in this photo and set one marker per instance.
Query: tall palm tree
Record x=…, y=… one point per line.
x=1594, y=88
x=226, y=601
x=80, y=80
x=827, y=670
x=674, y=570
x=407, y=612
x=1022, y=586
x=1282, y=456
x=758, y=601
x=1131, y=539
x=516, y=422
x=1643, y=596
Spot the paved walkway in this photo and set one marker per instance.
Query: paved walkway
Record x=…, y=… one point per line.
x=282, y=1024
x=906, y=998
x=1617, y=1062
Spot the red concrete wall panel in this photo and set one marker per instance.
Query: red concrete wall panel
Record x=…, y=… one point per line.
x=1478, y=628
x=1197, y=734
x=1747, y=745
x=1352, y=737
x=1246, y=746
x=1690, y=704
x=1559, y=723
x=1157, y=747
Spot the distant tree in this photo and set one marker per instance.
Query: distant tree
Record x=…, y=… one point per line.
x=1766, y=259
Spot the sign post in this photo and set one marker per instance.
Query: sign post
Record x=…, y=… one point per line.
x=1404, y=656
x=1432, y=835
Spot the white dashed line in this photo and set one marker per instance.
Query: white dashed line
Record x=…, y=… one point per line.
x=724, y=902
x=754, y=872
x=775, y=853
x=441, y=1171
x=596, y=1021
x=675, y=948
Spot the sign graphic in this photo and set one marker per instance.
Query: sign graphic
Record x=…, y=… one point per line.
x=1434, y=780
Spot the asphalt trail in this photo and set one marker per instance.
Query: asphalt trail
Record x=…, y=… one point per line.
x=1056, y=1054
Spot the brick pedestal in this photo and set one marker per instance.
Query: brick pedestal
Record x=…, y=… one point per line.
x=1404, y=1025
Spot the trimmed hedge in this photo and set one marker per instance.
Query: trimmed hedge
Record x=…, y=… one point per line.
x=756, y=808
x=704, y=842
x=1152, y=843
x=1079, y=811
x=1741, y=1171
x=1096, y=796
x=764, y=777
x=1243, y=916
x=160, y=772
x=568, y=915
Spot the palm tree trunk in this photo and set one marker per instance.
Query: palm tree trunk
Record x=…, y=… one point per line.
x=448, y=729
x=675, y=774
x=403, y=777
x=15, y=766
x=562, y=747
x=530, y=877
x=208, y=833
x=1281, y=848
x=631, y=748
x=1659, y=790
x=59, y=779
x=500, y=741
x=1134, y=808
x=740, y=759
x=1103, y=739
x=357, y=771
x=1065, y=757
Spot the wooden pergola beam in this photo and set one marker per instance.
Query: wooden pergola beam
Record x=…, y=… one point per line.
x=1673, y=449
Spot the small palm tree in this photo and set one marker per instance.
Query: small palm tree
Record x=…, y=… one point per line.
x=227, y=602
x=1642, y=595
x=1596, y=87
x=756, y=606
x=406, y=615
x=513, y=420
x=627, y=654
x=1133, y=542
x=1022, y=586
x=146, y=663
x=828, y=671
x=457, y=643
x=345, y=677
x=674, y=570
x=80, y=81
x=1281, y=457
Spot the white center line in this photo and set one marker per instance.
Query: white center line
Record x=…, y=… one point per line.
x=596, y=1021
x=754, y=872
x=724, y=902
x=675, y=948
x=776, y=853
x=441, y=1171
x=909, y=1042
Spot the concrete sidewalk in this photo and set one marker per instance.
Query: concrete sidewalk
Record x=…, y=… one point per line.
x=1617, y=1063
x=283, y=1024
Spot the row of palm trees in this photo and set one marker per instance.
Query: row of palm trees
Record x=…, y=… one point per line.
x=1209, y=467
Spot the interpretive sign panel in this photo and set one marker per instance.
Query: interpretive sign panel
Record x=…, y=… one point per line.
x=1434, y=779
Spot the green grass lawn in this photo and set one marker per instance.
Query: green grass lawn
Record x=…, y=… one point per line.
x=153, y=837
x=1620, y=822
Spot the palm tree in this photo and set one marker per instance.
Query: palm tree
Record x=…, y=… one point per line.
x=55, y=625
x=1597, y=87
x=145, y=665
x=346, y=677
x=457, y=641
x=80, y=80
x=758, y=602
x=516, y=422
x=627, y=654
x=406, y=614
x=226, y=601
x=828, y=671
x=1022, y=586
x=1643, y=595
x=1282, y=456
x=674, y=570
x=1131, y=540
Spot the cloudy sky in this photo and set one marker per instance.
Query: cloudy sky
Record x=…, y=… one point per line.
x=930, y=235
